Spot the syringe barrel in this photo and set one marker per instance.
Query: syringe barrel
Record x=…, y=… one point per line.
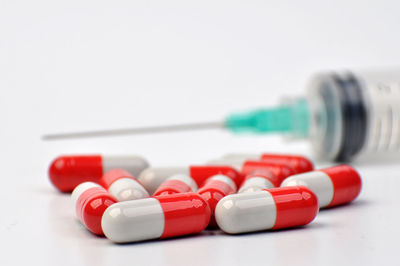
x=355, y=113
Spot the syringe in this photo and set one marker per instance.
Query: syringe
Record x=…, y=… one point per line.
x=343, y=115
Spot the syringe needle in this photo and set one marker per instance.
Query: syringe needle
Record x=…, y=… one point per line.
x=280, y=119
x=139, y=130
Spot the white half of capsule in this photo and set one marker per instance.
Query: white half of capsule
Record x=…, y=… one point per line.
x=132, y=221
x=125, y=189
x=226, y=180
x=255, y=184
x=131, y=163
x=151, y=178
x=78, y=191
x=246, y=212
x=185, y=179
x=317, y=181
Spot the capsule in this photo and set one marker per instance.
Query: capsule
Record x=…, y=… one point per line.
x=122, y=185
x=274, y=208
x=257, y=181
x=299, y=163
x=279, y=171
x=333, y=186
x=176, y=184
x=158, y=217
x=90, y=200
x=66, y=172
x=247, y=167
x=214, y=189
x=152, y=178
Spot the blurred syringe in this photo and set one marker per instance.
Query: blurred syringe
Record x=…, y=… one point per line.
x=343, y=115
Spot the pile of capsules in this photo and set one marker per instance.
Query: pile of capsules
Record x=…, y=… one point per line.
x=124, y=199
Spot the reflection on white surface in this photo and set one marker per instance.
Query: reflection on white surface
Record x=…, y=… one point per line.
x=41, y=223
x=338, y=235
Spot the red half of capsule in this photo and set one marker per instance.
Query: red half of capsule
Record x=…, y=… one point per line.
x=91, y=206
x=201, y=173
x=295, y=206
x=113, y=175
x=184, y=213
x=299, y=163
x=213, y=191
x=280, y=171
x=264, y=173
x=172, y=186
x=66, y=172
x=346, y=184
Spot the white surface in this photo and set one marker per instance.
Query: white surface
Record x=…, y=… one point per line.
x=319, y=182
x=80, y=65
x=247, y=212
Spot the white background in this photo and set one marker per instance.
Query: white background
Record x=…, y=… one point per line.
x=81, y=65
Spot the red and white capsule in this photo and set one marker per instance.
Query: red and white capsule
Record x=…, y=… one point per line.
x=158, y=217
x=152, y=178
x=246, y=167
x=214, y=189
x=90, y=200
x=123, y=186
x=257, y=181
x=299, y=163
x=176, y=184
x=333, y=186
x=274, y=208
x=66, y=172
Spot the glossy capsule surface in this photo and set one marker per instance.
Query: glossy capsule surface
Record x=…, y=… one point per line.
x=257, y=181
x=333, y=186
x=214, y=189
x=157, y=217
x=176, y=184
x=274, y=208
x=122, y=185
x=66, y=172
x=299, y=163
x=279, y=171
x=153, y=177
x=246, y=167
x=90, y=200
